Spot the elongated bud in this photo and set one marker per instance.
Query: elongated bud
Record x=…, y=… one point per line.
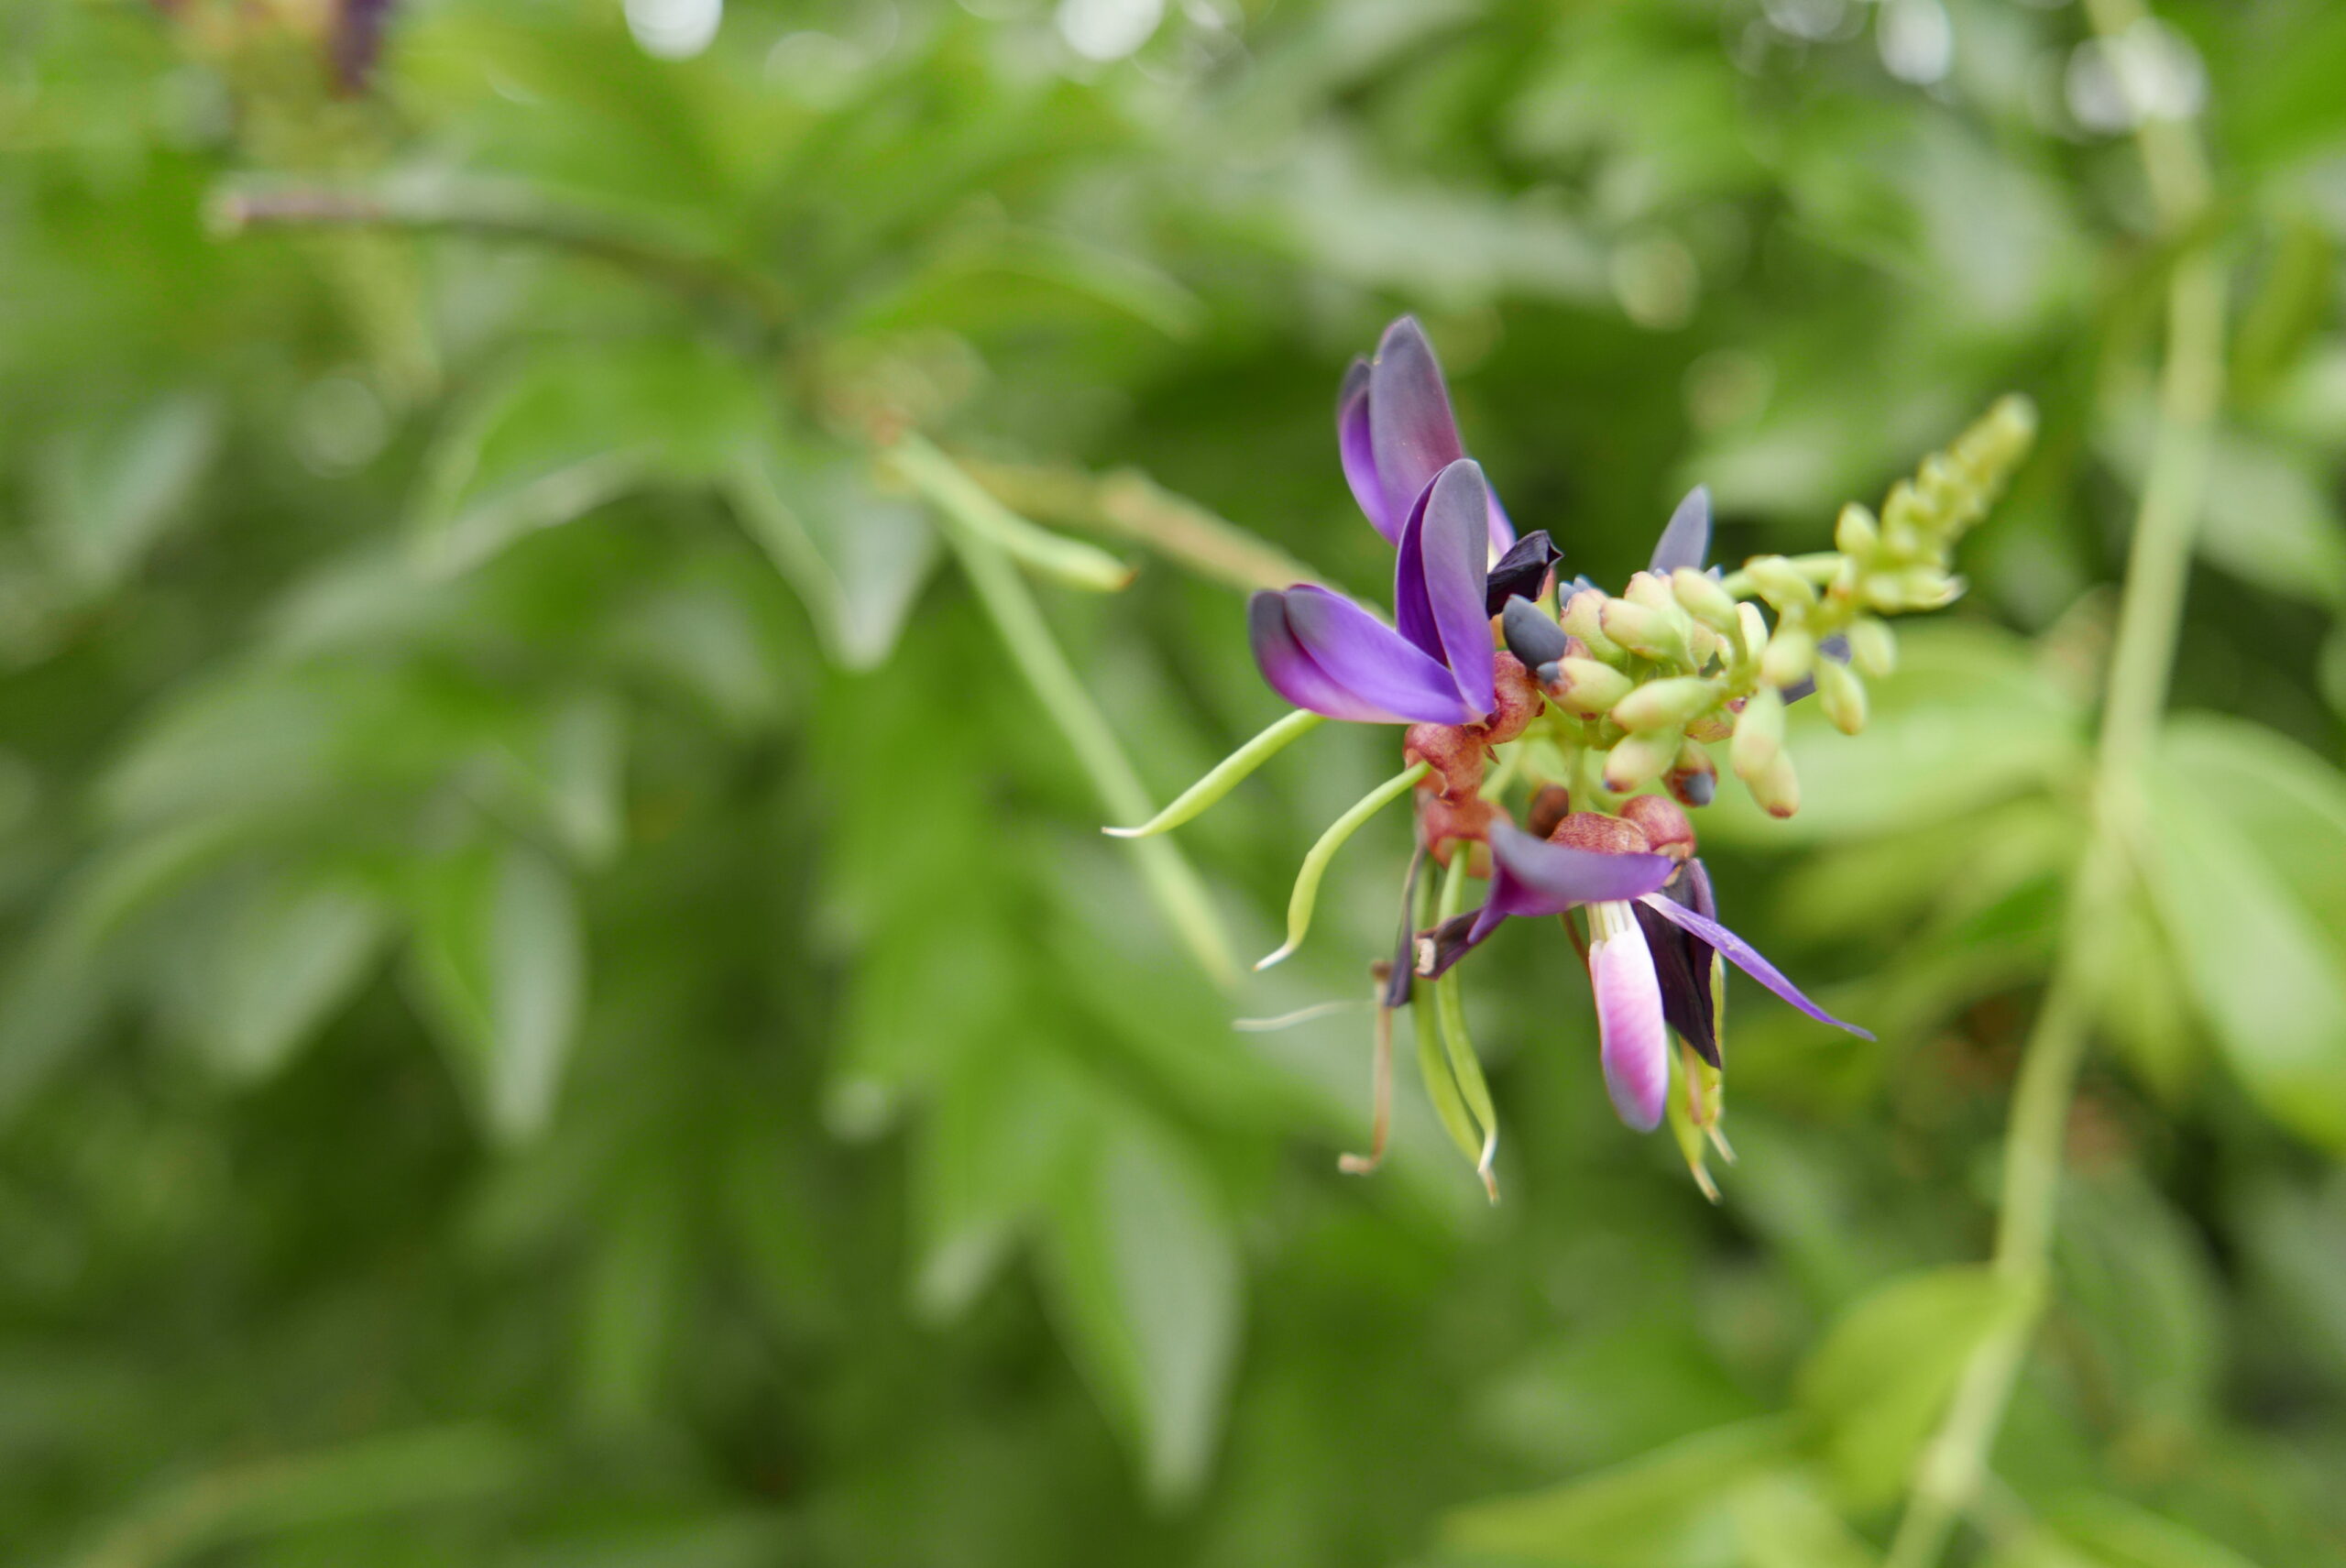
x=1750, y=636
x=1780, y=582
x=1648, y=632
x=1792, y=651
x=1650, y=591
x=1901, y=521
x=1666, y=704
x=1701, y=597
x=1664, y=824
x=1873, y=648
x=1586, y=687
x=1777, y=788
x=1702, y=645
x=1759, y=734
x=1855, y=532
x=1716, y=725
x=1637, y=761
x=1582, y=618
x=1841, y=692
x=1693, y=778
x=1531, y=635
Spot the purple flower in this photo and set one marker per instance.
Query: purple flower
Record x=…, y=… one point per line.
x=1322, y=652
x=1396, y=432
x=1652, y=931
x=1458, y=561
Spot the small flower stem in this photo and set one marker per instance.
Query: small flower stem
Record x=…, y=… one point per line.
x=1018, y=620
x=1818, y=568
x=1068, y=561
x=1450, y=1018
x=2157, y=568
x=1128, y=504
x=1306, y=896
x=1225, y=775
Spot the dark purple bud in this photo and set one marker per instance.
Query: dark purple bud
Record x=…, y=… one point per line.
x=1686, y=999
x=1532, y=635
x=1687, y=539
x=357, y=42
x=1444, y=945
x=1522, y=572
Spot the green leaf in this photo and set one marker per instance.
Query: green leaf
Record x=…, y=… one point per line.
x=1783, y=1521
x=565, y=431
x=1146, y=1282
x=2121, y=1535
x=1003, y=1131
x=111, y=487
x=1873, y=1389
x=499, y=965
x=1665, y=1509
x=856, y=556
x=288, y=947
x=2268, y=972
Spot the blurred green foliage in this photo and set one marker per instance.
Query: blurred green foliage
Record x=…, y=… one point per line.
x=564, y=1000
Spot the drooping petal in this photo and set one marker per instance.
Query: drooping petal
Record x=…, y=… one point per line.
x=1687, y=539
x=1353, y=444
x=1532, y=876
x=1744, y=956
x=1629, y=1024
x=1685, y=982
x=1413, y=435
x=1321, y=652
x=1520, y=573
x=1437, y=581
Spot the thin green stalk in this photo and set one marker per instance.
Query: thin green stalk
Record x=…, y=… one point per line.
x=1450, y=1017
x=2191, y=387
x=1070, y=561
x=1306, y=895
x=1225, y=775
x=1018, y=619
x=1129, y=504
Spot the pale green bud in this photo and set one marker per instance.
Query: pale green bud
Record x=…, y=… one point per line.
x=1704, y=645
x=1665, y=704
x=1780, y=582
x=1647, y=631
x=1637, y=761
x=1777, y=787
x=1582, y=618
x=1701, y=598
x=1792, y=653
x=1751, y=635
x=1587, y=687
x=1650, y=591
x=1841, y=692
x=1759, y=734
x=1854, y=532
x=1873, y=647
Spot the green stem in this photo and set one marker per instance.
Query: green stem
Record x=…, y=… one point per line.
x=506, y=214
x=1071, y=561
x=1129, y=504
x=1018, y=619
x=1306, y=895
x=1450, y=1017
x=1226, y=776
x=2191, y=386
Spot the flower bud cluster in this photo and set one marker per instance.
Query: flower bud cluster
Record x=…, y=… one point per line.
x=1639, y=683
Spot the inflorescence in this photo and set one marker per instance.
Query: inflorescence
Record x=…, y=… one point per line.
x=1597, y=716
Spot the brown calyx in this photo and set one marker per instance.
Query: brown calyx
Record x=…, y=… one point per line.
x=1455, y=752
x=1594, y=831
x=1444, y=824
x=1518, y=699
x=1663, y=822
x=1550, y=806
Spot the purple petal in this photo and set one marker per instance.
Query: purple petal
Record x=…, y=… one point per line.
x=1359, y=456
x=1532, y=876
x=1434, y=951
x=1438, y=582
x=1635, y=1039
x=1687, y=540
x=1744, y=956
x=1413, y=434
x=1520, y=571
x=1321, y=652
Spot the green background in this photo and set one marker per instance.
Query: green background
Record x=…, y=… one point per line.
x=563, y=1002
